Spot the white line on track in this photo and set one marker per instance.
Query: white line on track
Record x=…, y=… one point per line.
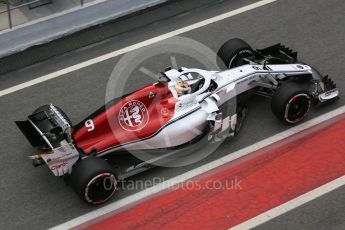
x=290, y=205
x=204, y=168
x=134, y=47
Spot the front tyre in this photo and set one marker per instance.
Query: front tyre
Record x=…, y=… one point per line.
x=234, y=51
x=291, y=103
x=93, y=180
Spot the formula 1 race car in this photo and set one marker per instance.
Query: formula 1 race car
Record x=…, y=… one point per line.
x=164, y=115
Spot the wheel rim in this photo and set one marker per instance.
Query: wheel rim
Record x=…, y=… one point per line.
x=100, y=188
x=237, y=60
x=297, y=108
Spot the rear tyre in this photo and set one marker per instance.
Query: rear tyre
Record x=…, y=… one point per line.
x=47, y=107
x=291, y=103
x=233, y=51
x=93, y=180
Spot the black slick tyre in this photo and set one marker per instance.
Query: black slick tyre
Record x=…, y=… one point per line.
x=291, y=103
x=233, y=51
x=93, y=180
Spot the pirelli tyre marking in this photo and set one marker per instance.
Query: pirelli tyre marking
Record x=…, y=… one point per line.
x=297, y=107
x=100, y=188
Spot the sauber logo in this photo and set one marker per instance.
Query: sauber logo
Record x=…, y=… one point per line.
x=133, y=116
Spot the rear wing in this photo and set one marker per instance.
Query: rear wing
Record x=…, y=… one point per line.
x=31, y=130
x=31, y=134
x=47, y=127
x=49, y=131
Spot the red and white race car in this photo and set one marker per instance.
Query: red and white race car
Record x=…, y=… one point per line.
x=164, y=116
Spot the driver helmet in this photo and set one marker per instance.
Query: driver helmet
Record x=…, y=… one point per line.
x=182, y=88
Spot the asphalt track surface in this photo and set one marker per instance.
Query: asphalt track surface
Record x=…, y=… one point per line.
x=326, y=212
x=31, y=198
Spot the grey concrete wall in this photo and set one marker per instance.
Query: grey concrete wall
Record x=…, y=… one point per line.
x=67, y=22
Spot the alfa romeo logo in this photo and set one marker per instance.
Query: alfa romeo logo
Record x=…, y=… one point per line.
x=133, y=116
